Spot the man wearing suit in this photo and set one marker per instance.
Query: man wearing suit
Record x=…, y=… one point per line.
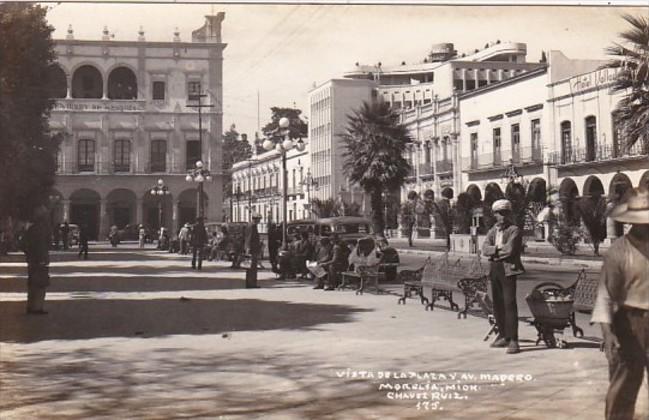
x=253, y=246
x=199, y=239
x=503, y=246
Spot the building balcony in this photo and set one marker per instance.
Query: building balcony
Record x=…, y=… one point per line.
x=485, y=162
x=444, y=166
x=597, y=155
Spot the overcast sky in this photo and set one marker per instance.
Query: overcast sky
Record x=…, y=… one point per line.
x=282, y=50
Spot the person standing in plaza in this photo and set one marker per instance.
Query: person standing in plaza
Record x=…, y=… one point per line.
x=65, y=235
x=199, y=239
x=141, y=235
x=622, y=306
x=36, y=248
x=253, y=247
x=274, y=243
x=503, y=246
x=183, y=237
x=83, y=241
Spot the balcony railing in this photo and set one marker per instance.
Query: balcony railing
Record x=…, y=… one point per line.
x=487, y=161
x=601, y=153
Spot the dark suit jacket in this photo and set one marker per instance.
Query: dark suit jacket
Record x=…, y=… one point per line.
x=510, y=253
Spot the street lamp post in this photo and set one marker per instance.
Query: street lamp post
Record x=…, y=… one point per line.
x=159, y=190
x=283, y=146
x=309, y=182
x=199, y=175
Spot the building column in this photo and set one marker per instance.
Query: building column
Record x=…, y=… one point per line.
x=463, y=80
x=138, y=211
x=174, y=218
x=66, y=210
x=103, y=219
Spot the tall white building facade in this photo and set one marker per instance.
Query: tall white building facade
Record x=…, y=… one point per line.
x=124, y=109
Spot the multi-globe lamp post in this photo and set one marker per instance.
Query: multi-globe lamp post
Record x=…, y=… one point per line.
x=199, y=175
x=159, y=191
x=283, y=145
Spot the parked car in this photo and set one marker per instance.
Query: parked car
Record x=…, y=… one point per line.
x=349, y=228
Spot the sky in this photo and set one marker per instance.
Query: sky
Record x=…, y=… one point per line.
x=282, y=50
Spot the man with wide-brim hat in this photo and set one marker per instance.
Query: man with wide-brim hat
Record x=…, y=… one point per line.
x=503, y=246
x=622, y=305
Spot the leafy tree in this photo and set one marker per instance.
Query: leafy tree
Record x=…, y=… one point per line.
x=592, y=211
x=408, y=215
x=298, y=128
x=515, y=193
x=325, y=208
x=373, y=143
x=27, y=148
x=463, y=212
x=234, y=150
x=632, y=58
x=444, y=215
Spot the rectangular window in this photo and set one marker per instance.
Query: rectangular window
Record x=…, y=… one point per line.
x=193, y=153
x=86, y=155
x=535, y=127
x=158, y=156
x=474, y=150
x=470, y=84
x=122, y=155
x=193, y=89
x=497, y=160
x=516, y=143
x=158, y=91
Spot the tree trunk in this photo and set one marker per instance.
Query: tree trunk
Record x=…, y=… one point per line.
x=376, y=203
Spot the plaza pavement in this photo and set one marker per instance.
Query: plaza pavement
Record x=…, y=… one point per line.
x=137, y=334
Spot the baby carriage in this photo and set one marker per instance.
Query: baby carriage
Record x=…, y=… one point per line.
x=552, y=308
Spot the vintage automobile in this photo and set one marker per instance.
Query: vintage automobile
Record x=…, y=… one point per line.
x=349, y=228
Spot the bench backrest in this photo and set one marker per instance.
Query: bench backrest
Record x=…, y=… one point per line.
x=585, y=292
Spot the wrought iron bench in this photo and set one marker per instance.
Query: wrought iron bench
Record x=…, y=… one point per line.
x=411, y=280
x=364, y=275
x=465, y=275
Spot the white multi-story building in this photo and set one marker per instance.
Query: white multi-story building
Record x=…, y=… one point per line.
x=125, y=111
x=257, y=187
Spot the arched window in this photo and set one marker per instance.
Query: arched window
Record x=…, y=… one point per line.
x=122, y=155
x=591, y=138
x=57, y=82
x=86, y=155
x=566, y=142
x=122, y=84
x=87, y=83
x=158, y=156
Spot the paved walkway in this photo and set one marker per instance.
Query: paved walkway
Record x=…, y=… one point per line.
x=138, y=335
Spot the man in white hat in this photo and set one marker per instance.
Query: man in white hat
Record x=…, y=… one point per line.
x=622, y=306
x=503, y=246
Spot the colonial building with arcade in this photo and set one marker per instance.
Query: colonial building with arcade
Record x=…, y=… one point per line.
x=128, y=115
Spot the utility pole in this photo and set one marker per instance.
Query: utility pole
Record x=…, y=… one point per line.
x=200, y=106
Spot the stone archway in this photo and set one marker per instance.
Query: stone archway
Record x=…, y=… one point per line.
x=87, y=82
x=84, y=209
x=568, y=193
x=618, y=187
x=474, y=191
x=188, y=205
x=536, y=201
x=644, y=180
x=122, y=84
x=593, y=187
x=151, y=210
x=121, y=206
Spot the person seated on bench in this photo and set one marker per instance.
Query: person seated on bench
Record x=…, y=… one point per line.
x=389, y=255
x=365, y=254
x=338, y=262
x=302, y=251
x=323, y=253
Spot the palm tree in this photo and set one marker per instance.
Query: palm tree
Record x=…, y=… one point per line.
x=632, y=58
x=373, y=144
x=325, y=208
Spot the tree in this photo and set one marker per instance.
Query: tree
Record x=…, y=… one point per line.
x=592, y=211
x=234, y=150
x=444, y=215
x=463, y=212
x=298, y=128
x=408, y=215
x=515, y=193
x=373, y=143
x=632, y=60
x=325, y=208
x=27, y=148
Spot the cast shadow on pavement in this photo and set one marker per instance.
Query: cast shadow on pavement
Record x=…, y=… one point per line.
x=89, y=318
